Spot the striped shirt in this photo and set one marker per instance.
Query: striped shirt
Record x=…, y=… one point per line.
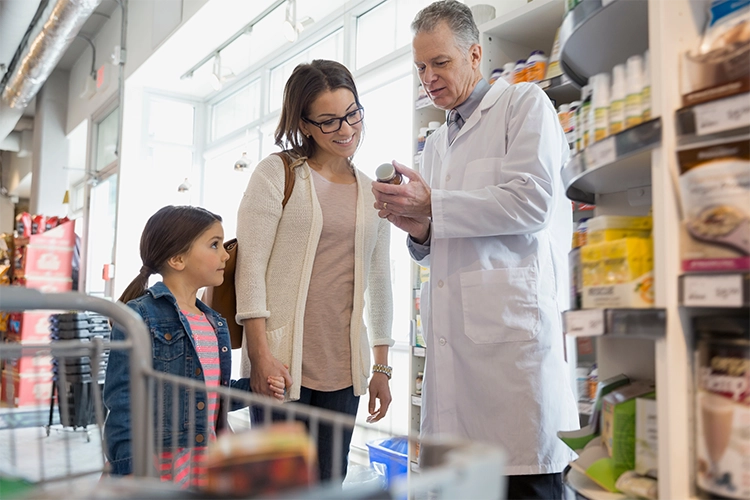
x=186, y=466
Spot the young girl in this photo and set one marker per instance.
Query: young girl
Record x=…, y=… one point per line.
x=184, y=245
x=306, y=274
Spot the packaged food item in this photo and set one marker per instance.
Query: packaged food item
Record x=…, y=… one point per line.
x=646, y=91
x=715, y=196
x=600, y=103
x=421, y=139
x=646, y=437
x=722, y=405
x=719, y=65
x=519, y=71
x=38, y=224
x=418, y=383
x=536, y=66
x=617, y=100
x=633, y=89
x=23, y=225
x=618, y=423
x=613, y=227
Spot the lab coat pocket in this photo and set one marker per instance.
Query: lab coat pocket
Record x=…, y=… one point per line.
x=481, y=173
x=280, y=344
x=500, y=305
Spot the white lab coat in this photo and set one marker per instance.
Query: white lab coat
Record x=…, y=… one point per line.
x=491, y=313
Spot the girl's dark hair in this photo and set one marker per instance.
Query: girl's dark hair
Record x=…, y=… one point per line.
x=169, y=232
x=307, y=82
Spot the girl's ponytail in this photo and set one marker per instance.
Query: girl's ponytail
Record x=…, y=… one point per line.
x=169, y=232
x=138, y=286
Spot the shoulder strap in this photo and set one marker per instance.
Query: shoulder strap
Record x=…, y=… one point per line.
x=288, y=177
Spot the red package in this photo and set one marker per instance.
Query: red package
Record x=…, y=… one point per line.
x=50, y=223
x=37, y=224
x=23, y=225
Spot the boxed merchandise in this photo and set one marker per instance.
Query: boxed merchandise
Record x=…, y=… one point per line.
x=618, y=423
x=26, y=390
x=614, y=227
x=646, y=437
x=715, y=189
x=29, y=365
x=262, y=462
x=718, y=67
x=618, y=273
x=30, y=327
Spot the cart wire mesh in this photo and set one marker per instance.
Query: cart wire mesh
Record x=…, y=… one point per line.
x=449, y=468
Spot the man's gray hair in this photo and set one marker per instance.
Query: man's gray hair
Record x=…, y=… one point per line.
x=455, y=14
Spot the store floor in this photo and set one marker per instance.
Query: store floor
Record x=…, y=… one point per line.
x=64, y=457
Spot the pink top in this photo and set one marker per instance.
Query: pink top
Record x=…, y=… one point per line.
x=186, y=466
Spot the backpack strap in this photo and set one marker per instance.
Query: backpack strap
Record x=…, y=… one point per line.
x=288, y=176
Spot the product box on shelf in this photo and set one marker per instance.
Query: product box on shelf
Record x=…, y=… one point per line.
x=45, y=255
x=618, y=423
x=646, y=437
x=715, y=196
x=29, y=365
x=617, y=274
x=26, y=390
x=30, y=327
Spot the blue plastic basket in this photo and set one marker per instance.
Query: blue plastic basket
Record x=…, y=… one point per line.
x=391, y=453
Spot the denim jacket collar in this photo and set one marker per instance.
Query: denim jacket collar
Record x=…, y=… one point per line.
x=161, y=290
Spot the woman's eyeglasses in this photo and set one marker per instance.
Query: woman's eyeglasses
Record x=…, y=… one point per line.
x=334, y=124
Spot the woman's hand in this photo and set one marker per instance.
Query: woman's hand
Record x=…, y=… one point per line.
x=269, y=377
x=380, y=390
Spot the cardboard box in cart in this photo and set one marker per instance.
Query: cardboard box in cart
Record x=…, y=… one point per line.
x=26, y=390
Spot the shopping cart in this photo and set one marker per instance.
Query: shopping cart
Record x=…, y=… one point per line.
x=448, y=469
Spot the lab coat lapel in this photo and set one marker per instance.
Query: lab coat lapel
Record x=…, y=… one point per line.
x=488, y=101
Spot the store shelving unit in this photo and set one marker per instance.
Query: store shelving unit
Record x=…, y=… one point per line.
x=618, y=176
x=424, y=112
x=615, y=164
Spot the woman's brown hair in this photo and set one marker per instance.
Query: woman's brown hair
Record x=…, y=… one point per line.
x=169, y=232
x=305, y=84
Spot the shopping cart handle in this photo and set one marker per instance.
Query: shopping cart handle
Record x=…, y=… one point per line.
x=16, y=298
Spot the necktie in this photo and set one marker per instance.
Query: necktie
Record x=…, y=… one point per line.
x=454, y=125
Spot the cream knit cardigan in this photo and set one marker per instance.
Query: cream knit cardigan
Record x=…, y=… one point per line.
x=276, y=250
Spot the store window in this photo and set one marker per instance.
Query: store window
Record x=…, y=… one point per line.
x=390, y=24
x=238, y=109
x=106, y=140
x=170, y=150
x=331, y=47
x=223, y=185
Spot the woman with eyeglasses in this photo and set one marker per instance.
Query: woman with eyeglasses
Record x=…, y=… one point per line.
x=306, y=271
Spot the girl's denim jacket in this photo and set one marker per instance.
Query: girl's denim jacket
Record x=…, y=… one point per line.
x=174, y=353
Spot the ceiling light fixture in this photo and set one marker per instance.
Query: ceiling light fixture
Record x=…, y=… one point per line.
x=215, y=77
x=289, y=28
x=184, y=187
x=243, y=163
x=242, y=31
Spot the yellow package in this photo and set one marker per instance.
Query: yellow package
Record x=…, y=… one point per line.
x=615, y=227
x=592, y=265
x=603, y=235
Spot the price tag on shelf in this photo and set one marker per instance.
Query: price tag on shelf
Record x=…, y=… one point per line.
x=416, y=400
x=584, y=323
x=721, y=115
x=600, y=153
x=712, y=291
x=419, y=351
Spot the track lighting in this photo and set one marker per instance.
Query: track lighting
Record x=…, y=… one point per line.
x=215, y=77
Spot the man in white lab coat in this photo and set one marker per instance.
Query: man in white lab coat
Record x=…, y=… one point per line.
x=489, y=217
